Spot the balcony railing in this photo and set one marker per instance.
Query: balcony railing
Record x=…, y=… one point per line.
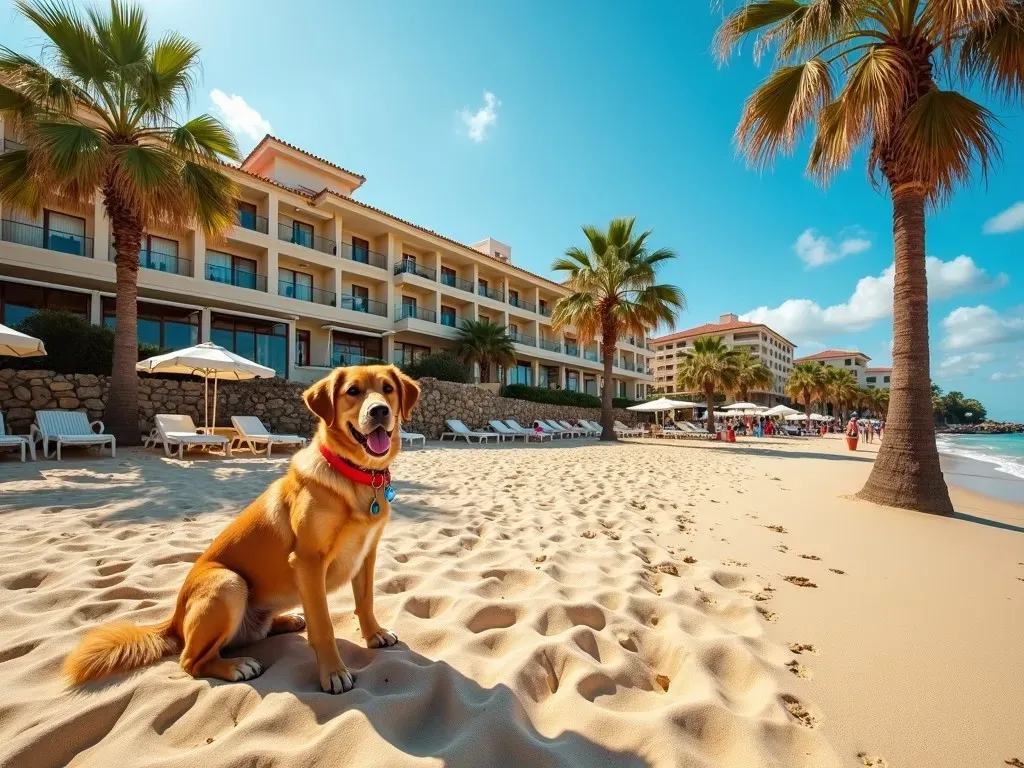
x=572, y=349
x=363, y=255
x=161, y=262
x=491, y=293
x=410, y=267
x=529, y=306
x=9, y=145
x=519, y=338
x=625, y=364
x=591, y=355
x=305, y=293
x=236, y=277
x=551, y=346
x=249, y=220
x=369, y=306
x=406, y=311
x=50, y=239
x=454, y=281
x=291, y=234
x=544, y=310
x=451, y=321
x=340, y=358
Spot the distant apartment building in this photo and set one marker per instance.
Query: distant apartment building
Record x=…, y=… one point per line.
x=766, y=345
x=307, y=279
x=850, y=360
x=877, y=378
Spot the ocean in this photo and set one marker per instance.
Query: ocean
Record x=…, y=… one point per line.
x=989, y=464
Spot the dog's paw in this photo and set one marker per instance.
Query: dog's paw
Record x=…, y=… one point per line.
x=336, y=681
x=287, y=622
x=247, y=668
x=382, y=639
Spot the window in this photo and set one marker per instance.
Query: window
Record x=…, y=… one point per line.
x=296, y=285
x=513, y=329
x=408, y=306
x=360, y=298
x=572, y=381
x=870, y=379
x=161, y=325
x=230, y=270
x=246, y=214
x=543, y=306
x=161, y=253
x=64, y=233
x=847, y=361
x=406, y=353
x=885, y=379
x=448, y=276
x=410, y=257
x=521, y=373
x=18, y=301
x=513, y=298
x=302, y=348
x=590, y=385
x=349, y=349
x=360, y=250
x=302, y=233
x=448, y=316
x=483, y=285
x=263, y=341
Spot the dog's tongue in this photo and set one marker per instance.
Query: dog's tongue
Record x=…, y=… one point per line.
x=378, y=440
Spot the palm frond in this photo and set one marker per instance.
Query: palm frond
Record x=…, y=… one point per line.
x=835, y=140
x=75, y=152
x=77, y=50
x=204, y=137
x=752, y=17
x=172, y=74
x=122, y=35
x=579, y=311
x=880, y=84
x=19, y=187
x=992, y=51
x=209, y=196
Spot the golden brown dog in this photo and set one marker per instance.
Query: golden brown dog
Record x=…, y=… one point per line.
x=309, y=533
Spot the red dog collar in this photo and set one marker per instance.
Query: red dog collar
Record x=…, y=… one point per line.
x=372, y=477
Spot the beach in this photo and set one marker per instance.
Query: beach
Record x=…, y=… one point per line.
x=647, y=603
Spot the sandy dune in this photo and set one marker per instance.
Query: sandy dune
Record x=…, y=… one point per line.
x=638, y=605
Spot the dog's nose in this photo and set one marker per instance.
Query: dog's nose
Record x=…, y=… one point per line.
x=379, y=413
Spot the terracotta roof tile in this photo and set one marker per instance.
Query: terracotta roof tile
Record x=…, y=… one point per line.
x=710, y=328
x=878, y=370
x=829, y=354
x=303, y=152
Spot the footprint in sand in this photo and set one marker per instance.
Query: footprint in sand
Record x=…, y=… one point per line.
x=768, y=615
x=810, y=557
x=689, y=560
x=669, y=568
x=798, y=711
x=873, y=761
x=836, y=570
x=799, y=648
x=800, y=581
x=799, y=669
x=588, y=534
x=777, y=528
x=1013, y=760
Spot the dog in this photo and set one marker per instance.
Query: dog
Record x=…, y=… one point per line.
x=309, y=533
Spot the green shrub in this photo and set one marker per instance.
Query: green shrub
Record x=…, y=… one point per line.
x=73, y=344
x=624, y=402
x=440, y=365
x=551, y=396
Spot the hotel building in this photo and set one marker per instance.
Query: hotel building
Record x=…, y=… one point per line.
x=307, y=279
x=850, y=360
x=771, y=348
x=877, y=378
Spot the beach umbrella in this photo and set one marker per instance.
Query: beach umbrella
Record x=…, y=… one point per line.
x=210, y=361
x=17, y=344
x=660, y=405
x=780, y=410
x=744, y=407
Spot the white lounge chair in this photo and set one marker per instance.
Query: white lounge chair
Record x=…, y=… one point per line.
x=178, y=429
x=252, y=433
x=531, y=434
x=549, y=430
x=69, y=428
x=458, y=429
x=569, y=431
x=411, y=437
x=586, y=431
x=506, y=433
x=592, y=424
x=16, y=441
x=623, y=431
x=698, y=431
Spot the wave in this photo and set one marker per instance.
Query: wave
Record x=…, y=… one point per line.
x=1010, y=465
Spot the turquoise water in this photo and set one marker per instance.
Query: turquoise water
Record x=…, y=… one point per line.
x=1004, y=452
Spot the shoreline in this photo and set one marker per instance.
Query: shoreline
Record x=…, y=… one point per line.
x=981, y=478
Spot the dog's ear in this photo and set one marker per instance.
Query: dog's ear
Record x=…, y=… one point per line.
x=319, y=398
x=408, y=392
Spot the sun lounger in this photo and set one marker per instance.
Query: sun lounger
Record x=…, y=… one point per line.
x=698, y=431
x=549, y=430
x=506, y=433
x=16, y=441
x=411, y=437
x=586, y=432
x=531, y=434
x=458, y=429
x=592, y=424
x=253, y=434
x=623, y=431
x=569, y=431
x=69, y=428
x=594, y=430
x=176, y=429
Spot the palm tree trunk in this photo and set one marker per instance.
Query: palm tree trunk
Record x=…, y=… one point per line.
x=709, y=397
x=807, y=409
x=609, y=334
x=121, y=416
x=906, y=472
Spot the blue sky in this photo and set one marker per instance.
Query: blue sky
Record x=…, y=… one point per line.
x=599, y=110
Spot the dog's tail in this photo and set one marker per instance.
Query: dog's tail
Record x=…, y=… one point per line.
x=119, y=647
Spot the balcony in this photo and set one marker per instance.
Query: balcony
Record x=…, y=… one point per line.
x=306, y=293
x=519, y=338
x=363, y=255
x=591, y=355
x=161, y=262
x=544, y=310
x=452, y=281
x=625, y=364
x=247, y=220
x=236, y=277
x=369, y=306
x=572, y=349
x=49, y=239
x=491, y=293
x=551, y=346
x=450, y=321
x=340, y=358
x=291, y=234
x=529, y=306
x=410, y=267
x=9, y=145
x=406, y=311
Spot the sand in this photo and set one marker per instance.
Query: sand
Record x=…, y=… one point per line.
x=640, y=604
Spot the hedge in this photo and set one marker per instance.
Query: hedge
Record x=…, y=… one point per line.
x=440, y=365
x=561, y=397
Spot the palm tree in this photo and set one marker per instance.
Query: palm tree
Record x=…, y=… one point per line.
x=878, y=402
x=844, y=390
x=867, y=73
x=486, y=343
x=97, y=117
x=709, y=367
x=751, y=374
x=614, y=293
x=804, y=381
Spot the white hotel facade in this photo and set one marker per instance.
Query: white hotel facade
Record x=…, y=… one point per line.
x=308, y=279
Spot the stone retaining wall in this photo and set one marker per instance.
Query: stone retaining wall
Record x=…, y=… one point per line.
x=276, y=401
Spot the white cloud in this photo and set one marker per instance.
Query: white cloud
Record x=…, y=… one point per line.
x=871, y=301
x=1009, y=220
x=962, y=365
x=478, y=123
x=977, y=326
x=1007, y=375
x=816, y=250
x=239, y=116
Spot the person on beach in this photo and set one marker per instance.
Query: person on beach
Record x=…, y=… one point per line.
x=851, y=427
x=869, y=430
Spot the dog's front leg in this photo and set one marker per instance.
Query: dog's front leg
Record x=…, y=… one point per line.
x=362, y=589
x=310, y=575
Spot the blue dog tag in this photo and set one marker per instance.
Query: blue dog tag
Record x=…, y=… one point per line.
x=374, y=507
x=389, y=494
